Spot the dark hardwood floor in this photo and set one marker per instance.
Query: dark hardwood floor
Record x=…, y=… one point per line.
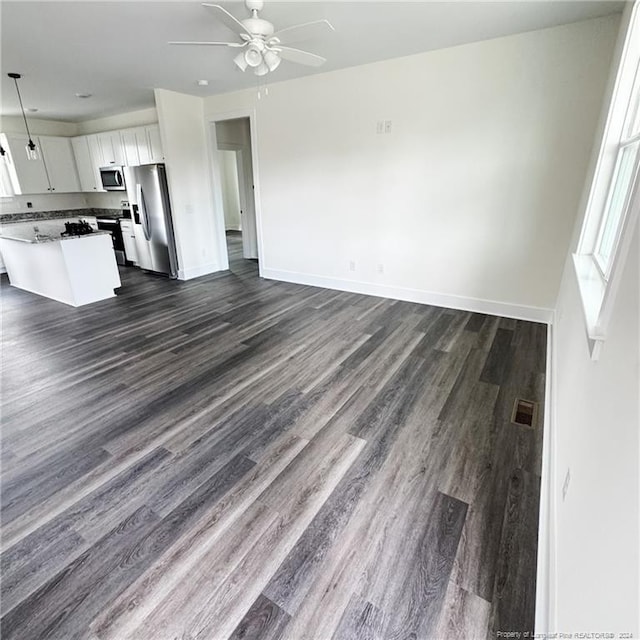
x=231, y=457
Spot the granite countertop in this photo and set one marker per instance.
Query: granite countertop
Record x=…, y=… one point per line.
x=63, y=213
x=42, y=238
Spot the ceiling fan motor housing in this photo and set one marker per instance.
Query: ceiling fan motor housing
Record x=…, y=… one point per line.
x=258, y=27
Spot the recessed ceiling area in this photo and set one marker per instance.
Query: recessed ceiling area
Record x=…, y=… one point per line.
x=118, y=51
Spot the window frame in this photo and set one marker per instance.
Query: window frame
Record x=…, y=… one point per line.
x=598, y=278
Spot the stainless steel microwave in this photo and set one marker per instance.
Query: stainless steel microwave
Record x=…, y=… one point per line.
x=112, y=178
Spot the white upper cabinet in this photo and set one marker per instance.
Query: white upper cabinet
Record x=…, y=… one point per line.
x=156, y=153
x=86, y=163
x=130, y=144
x=112, y=148
x=27, y=176
x=54, y=170
x=60, y=164
x=142, y=145
x=144, y=153
x=127, y=147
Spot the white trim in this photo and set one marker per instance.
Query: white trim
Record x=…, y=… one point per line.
x=76, y=304
x=546, y=614
x=216, y=195
x=196, y=272
x=463, y=303
x=3, y=269
x=246, y=112
x=611, y=135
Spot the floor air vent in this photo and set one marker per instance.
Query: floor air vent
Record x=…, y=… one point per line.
x=525, y=412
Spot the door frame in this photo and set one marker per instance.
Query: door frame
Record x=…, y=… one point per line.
x=212, y=119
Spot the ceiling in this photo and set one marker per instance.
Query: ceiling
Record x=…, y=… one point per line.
x=117, y=50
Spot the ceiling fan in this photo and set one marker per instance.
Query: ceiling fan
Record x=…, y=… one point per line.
x=263, y=48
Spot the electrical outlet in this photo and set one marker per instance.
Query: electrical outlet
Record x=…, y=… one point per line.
x=380, y=268
x=352, y=265
x=387, y=126
x=380, y=126
x=565, y=485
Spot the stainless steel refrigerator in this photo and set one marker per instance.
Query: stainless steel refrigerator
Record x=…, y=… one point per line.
x=148, y=195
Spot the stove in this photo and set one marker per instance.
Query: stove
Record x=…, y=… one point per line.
x=80, y=228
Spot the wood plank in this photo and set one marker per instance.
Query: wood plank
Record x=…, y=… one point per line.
x=464, y=615
x=64, y=606
x=420, y=601
x=360, y=621
x=264, y=621
x=513, y=601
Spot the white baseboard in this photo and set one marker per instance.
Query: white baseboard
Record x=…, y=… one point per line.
x=545, y=622
x=476, y=305
x=196, y=272
x=3, y=269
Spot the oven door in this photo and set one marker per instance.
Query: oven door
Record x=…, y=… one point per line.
x=112, y=225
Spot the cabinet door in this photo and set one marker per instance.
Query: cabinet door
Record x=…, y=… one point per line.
x=155, y=143
x=27, y=176
x=144, y=153
x=97, y=158
x=112, y=148
x=130, y=144
x=129, y=239
x=60, y=164
x=84, y=164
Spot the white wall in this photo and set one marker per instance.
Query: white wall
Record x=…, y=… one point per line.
x=472, y=195
x=15, y=124
x=230, y=190
x=42, y=202
x=120, y=121
x=597, y=428
x=187, y=157
x=595, y=435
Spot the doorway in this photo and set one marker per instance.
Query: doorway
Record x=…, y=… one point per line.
x=236, y=188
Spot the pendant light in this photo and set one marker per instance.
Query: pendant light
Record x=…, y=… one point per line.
x=32, y=150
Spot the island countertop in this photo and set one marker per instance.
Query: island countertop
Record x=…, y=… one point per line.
x=75, y=273
x=46, y=237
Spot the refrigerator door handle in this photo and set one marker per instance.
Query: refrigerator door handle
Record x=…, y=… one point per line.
x=146, y=226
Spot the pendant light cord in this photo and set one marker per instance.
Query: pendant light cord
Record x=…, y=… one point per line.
x=31, y=145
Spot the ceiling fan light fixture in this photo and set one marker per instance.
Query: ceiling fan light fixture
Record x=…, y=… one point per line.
x=253, y=55
x=261, y=70
x=241, y=63
x=272, y=59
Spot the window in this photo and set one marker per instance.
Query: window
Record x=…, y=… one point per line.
x=619, y=195
x=614, y=196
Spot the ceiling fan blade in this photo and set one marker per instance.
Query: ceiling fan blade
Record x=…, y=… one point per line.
x=219, y=44
x=227, y=19
x=305, y=31
x=301, y=57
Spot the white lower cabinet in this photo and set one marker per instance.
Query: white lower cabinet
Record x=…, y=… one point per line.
x=129, y=239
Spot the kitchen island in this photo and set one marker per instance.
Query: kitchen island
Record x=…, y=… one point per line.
x=75, y=270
